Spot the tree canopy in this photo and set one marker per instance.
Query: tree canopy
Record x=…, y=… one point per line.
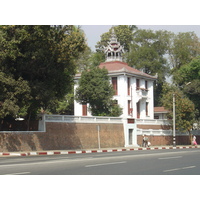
x=43, y=59
x=184, y=108
x=147, y=53
x=183, y=47
x=13, y=95
x=188, y=78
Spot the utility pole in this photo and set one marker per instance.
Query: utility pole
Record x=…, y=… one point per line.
x=174, y=121
x=99, y=142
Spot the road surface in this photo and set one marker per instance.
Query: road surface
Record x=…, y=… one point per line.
x=144, y=162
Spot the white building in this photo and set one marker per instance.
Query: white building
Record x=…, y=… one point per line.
x=133, y=88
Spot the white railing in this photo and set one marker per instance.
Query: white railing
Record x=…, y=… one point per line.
x=142, y=93
x=153, y=132
x=164, y=132
x=96, y=119
x=82, y=119
x=153, y=121
x=195, y=132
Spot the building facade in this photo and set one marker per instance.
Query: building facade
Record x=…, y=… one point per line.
x=133, y=88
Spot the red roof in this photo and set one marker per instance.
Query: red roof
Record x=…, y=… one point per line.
x=118, y=66
x=121, y=67
x=160, y=110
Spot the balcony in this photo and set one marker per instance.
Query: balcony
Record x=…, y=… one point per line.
x=142, y=93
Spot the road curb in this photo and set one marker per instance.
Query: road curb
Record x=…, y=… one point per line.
x=62, y=152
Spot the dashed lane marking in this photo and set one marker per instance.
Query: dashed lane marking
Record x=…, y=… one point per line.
x=176, y=169
x=166, y=158
x=18, y=173
x=113, y=163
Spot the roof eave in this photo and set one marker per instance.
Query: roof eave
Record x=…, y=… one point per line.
x=118, y=72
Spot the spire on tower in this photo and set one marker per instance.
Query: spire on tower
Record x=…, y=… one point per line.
x=113, y=36
x=114, y=50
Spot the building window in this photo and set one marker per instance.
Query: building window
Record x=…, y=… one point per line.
x=129, y=86
x=114, y=83
x=138, y=110
x=146, y=85
x=84, y=109
x=137, y=84
x=147, y=109
x=129, y=108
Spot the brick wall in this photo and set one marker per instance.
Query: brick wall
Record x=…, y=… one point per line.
x=167, y=140
x=61, y=136
x=64, y=136
x=19, y=142
x=82, y=135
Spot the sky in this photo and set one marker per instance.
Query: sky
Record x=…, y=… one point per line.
x=93, y=32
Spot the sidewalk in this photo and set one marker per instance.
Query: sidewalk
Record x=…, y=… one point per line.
x=102, y=150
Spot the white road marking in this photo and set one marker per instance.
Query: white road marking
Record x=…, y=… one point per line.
x=165, y=158
x=113, y=163
x=47, y=162
x=170, y=170
x=19, y=173
x=189, y=167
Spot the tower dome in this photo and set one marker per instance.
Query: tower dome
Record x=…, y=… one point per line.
x=114, y=50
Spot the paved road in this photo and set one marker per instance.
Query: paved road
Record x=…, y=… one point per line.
x=145, y=162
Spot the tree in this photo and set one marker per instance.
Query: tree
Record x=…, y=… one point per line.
x=184, y=107
x=95, y=88
x=147, y=53
x=188, y=78
x=88, y=59
x=64, y=106
x=42, y=56
x=84, y=61
x=13, y=96
x=183, y=47
x=97, y=58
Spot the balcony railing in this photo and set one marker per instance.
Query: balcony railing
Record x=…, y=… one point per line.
x=142, y=93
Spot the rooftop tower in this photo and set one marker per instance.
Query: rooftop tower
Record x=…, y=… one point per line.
x=114, y=50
